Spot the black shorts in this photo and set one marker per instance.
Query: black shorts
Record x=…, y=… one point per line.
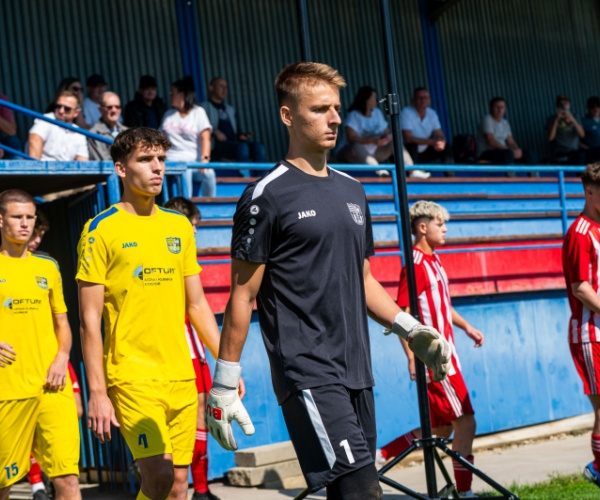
x=333, y=431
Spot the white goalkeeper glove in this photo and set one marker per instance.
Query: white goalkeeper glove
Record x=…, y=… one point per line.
x=425, y=341
x=224, y=405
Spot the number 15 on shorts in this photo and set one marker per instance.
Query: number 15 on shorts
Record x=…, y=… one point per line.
x=12, y=470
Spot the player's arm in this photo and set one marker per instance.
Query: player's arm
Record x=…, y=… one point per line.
x=426, y=342
x=200, y=314
x=57, y=373
x=473, y=333
x=100, y=410
x=36, y=144
x=7, y=354
x=223, y=403
x=584, y=292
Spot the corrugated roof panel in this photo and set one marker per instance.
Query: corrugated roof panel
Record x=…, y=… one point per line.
x=526, y=51
x=43, y=42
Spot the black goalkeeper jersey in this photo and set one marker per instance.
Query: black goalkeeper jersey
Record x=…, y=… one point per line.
x=313, y=234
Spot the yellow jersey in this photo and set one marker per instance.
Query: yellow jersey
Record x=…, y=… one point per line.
x=30, y=294
x=142, y=262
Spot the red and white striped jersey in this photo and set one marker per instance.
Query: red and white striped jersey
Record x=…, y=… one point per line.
x=581, y=262
x=194, y=343
x=433, y=292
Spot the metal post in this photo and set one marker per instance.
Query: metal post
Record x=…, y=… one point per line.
x=303, y=26
x=393, y=106
x=563, y=201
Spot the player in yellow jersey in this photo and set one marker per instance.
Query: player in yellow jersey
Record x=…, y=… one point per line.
x=137, y=270
x=37, y=410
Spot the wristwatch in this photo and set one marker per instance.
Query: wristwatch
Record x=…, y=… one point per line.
x=205, y=158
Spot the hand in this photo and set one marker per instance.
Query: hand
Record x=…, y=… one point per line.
x=219, y=136
x=245, y=137
x=518, y=152
x=57, y=373
x=426, y=342
x=222, y=406
x=411, y=369
x=475, y=335
x=7, y=354
x=431, y=348
x=439, y=145
x=100, y=415
x=384, y=141
x=241, y=388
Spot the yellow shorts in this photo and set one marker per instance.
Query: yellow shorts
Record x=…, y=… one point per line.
x=157, y=417
x=18, y=418
x=46, y=426
x=57, y=443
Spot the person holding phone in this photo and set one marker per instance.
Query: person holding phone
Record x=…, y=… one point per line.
x=564, y=134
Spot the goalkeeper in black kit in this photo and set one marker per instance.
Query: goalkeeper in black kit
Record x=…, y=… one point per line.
x=301, y=244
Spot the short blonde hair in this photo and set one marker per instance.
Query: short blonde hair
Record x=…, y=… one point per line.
x=426, y=209
x=292, y=80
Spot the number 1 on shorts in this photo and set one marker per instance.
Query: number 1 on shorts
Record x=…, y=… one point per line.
x=344, y=444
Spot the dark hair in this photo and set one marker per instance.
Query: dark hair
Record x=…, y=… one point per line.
x=186, y=85
x=418, y=89
x=593, y=102
x=137, y=137
x=494, y=100
x=184, y=206
x=41, y=222
x=560, y=98
x=360, y=99
x=216, y=79
x=64, y=84
x=14, y=196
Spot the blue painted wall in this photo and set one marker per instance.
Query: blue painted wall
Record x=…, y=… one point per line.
x=523, y=374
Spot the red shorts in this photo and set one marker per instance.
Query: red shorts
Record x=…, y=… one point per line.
x=587, y=361
x=448, y=400
x=203, y=378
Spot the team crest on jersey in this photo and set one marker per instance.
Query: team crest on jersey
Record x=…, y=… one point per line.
x=356, y=213
x=42, y=282
x=174, y=244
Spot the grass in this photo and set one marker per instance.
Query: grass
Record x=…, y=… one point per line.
x=559, y=487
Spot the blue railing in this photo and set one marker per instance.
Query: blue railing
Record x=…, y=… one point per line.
x=559, y=170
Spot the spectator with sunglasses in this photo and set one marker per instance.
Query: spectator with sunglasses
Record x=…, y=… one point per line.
x=50, y=142
x=108, y=126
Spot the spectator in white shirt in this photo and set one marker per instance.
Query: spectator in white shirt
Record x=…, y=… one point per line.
x=49, y=142
x=188, y=128
x=422, y=131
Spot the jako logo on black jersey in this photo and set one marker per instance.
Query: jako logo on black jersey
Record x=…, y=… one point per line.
x=306, y=213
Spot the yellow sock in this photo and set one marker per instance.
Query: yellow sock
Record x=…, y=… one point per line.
x=141, y=496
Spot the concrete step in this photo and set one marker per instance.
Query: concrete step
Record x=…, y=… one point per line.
x=264, y=455
x=288, y=483
x=255, y=476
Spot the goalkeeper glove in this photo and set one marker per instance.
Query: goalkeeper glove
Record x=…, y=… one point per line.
x=224, y=405
x=425, y=341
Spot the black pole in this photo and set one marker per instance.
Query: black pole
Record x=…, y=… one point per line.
x=303, y=26
x=393, y=108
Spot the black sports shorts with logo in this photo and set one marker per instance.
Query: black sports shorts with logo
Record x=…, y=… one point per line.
x=333, y=431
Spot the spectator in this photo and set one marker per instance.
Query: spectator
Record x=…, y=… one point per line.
x=95, y=86
x=74, y=85
x=49, y=142
x=367, y=134
x=591, y=127
x=108, y=126
x=564, y=132
x=495, y=142
x=422, y=131
x=146, y=109
x=188, y=129
x=229, y=143
x=8, y=131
